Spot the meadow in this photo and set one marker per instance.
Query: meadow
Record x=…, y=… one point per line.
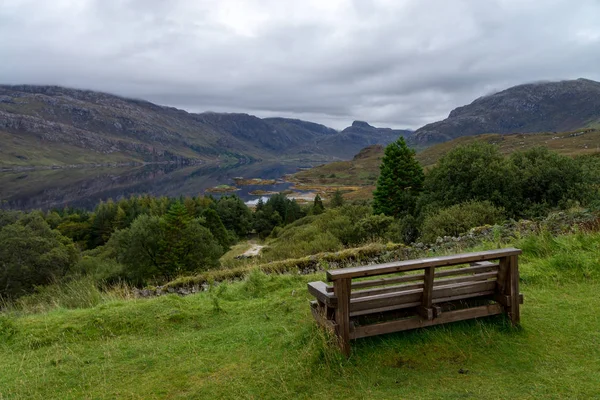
x=256, y=339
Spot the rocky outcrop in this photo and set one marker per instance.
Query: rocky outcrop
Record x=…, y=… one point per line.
x=536, y=107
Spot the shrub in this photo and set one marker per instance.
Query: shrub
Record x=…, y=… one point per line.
x=404, y=230
x=32, y=254
x=459, y=218
x=163, y=247
x=545, y=180
x=473, y=172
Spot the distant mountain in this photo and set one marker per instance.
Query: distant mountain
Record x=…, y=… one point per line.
x=359, y=133
x=536, y=107
x=50, y=125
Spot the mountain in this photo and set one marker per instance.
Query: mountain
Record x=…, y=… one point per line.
x=361, y=133
x=535, y=107
x=51, y=125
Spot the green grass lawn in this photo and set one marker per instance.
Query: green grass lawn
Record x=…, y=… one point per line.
x=256, y=339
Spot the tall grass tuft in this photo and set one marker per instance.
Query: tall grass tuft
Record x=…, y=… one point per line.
x=79, y=293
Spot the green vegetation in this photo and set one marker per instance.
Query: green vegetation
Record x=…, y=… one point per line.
x=256, y=339
x=400, y=181
x=525, y=184
x=358, y=176
x=459, y=218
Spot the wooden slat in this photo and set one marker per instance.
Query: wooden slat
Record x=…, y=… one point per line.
x=411, y=296
x=485, y=267
x=410, y=265
x=388, y=289
x=465, y=296
x=413, y=323
x=505, y=300
x=438, y=282
x=384, y=309
x=318, y=289
x=387, y=281
x=470, y=278
x=342, y=313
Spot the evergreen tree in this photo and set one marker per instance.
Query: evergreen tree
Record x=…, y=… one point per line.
x=400, y=181
x=318, y=206
x=216, y=227
x=337, y=200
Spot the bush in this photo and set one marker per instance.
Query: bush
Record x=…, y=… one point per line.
x=404, y=230
x=163, y=247
x=475, y=172
x=459, y=218
x=32, y=254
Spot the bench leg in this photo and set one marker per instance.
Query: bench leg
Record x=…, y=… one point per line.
x=342, y=288
x=513, y=291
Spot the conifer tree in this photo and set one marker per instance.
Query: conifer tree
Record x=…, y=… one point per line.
x=337, y=200
x=400, y=181
x=318, y=205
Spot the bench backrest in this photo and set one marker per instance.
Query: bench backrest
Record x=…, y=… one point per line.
x=433, y=286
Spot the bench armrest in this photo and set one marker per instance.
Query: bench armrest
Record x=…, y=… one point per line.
x=319, y=290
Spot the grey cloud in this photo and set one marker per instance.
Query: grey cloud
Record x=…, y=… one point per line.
x=390, y=62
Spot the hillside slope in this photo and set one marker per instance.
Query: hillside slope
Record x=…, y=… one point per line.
x=359, y=175
x=49, y=125
x=536, y=107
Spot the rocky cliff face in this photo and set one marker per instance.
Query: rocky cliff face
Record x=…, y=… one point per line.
x=42, y=125
x=536, y=107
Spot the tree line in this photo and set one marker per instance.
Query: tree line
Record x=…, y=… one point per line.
x=145, y=239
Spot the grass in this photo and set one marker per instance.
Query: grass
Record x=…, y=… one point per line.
x=256, y=339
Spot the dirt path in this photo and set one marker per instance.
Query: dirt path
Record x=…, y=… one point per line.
x=252, y=251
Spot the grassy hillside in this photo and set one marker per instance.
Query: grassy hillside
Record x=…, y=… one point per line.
x=358, y=177
x=567, y=143
x=256, y=339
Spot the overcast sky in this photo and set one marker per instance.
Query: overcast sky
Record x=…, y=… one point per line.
x=390, y=62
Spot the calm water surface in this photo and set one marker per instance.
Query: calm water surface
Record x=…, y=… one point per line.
x=85, y=187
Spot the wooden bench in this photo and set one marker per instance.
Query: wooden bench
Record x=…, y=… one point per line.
x=477, y=285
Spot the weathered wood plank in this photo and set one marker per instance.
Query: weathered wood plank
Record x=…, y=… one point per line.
x=502, y=275
x=413, y=323
x=342, y=313
x=486, y=267
x=470, y=278
x=415, y=295
x=514, y=312
x=387, y=289
x=318, y=289
x=483, y=267
x=505, y=300
x=384, y=309
x=410, y=265
x=438, y=282
x=425, y=309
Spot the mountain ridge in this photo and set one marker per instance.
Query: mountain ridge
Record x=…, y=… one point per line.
x=54, y=125
x=559, y=106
